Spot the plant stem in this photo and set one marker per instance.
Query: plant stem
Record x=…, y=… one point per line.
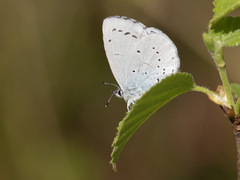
x=221, y=65
x=203, y=90
x=236, y=131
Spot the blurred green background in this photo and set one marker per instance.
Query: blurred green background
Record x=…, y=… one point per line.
x=53, y=123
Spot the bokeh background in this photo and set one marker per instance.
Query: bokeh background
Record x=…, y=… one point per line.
x=53, y=123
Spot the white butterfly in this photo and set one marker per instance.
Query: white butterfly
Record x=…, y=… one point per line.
x=139, y=57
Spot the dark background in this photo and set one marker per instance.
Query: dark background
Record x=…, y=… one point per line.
x=53, y=123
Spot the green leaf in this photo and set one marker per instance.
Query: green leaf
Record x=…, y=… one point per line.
x=208, y=42
x=150, y=102
x=222, y=8
x=236, y=89
x=226, y=31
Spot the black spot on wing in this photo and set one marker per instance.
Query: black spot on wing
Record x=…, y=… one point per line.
x=164, y=70
x=126, y=33
x=134, y=36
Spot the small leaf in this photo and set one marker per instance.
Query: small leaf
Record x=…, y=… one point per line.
x=222, y=8
x=208, y=42
x=226, y=31
x=236, y=89
x=150, y=102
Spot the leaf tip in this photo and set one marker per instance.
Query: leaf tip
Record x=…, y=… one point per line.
x=114, y=166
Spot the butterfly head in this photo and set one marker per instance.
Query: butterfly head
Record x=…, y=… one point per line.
x=118, y=92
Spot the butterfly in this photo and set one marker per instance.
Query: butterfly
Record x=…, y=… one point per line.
x=139, y=56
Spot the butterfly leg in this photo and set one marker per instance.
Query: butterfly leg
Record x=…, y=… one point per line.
x=129, y=104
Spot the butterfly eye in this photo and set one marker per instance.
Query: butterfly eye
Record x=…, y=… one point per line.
x=118, y=93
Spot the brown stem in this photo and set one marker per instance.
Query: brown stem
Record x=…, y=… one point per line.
x=236, y=131
x=235, y=120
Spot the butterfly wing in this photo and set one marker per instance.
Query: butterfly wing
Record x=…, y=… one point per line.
x=120, y=36
x=153, y=58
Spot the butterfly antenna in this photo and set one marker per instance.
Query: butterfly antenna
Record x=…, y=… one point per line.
x=111, y=84
x=106, y=105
